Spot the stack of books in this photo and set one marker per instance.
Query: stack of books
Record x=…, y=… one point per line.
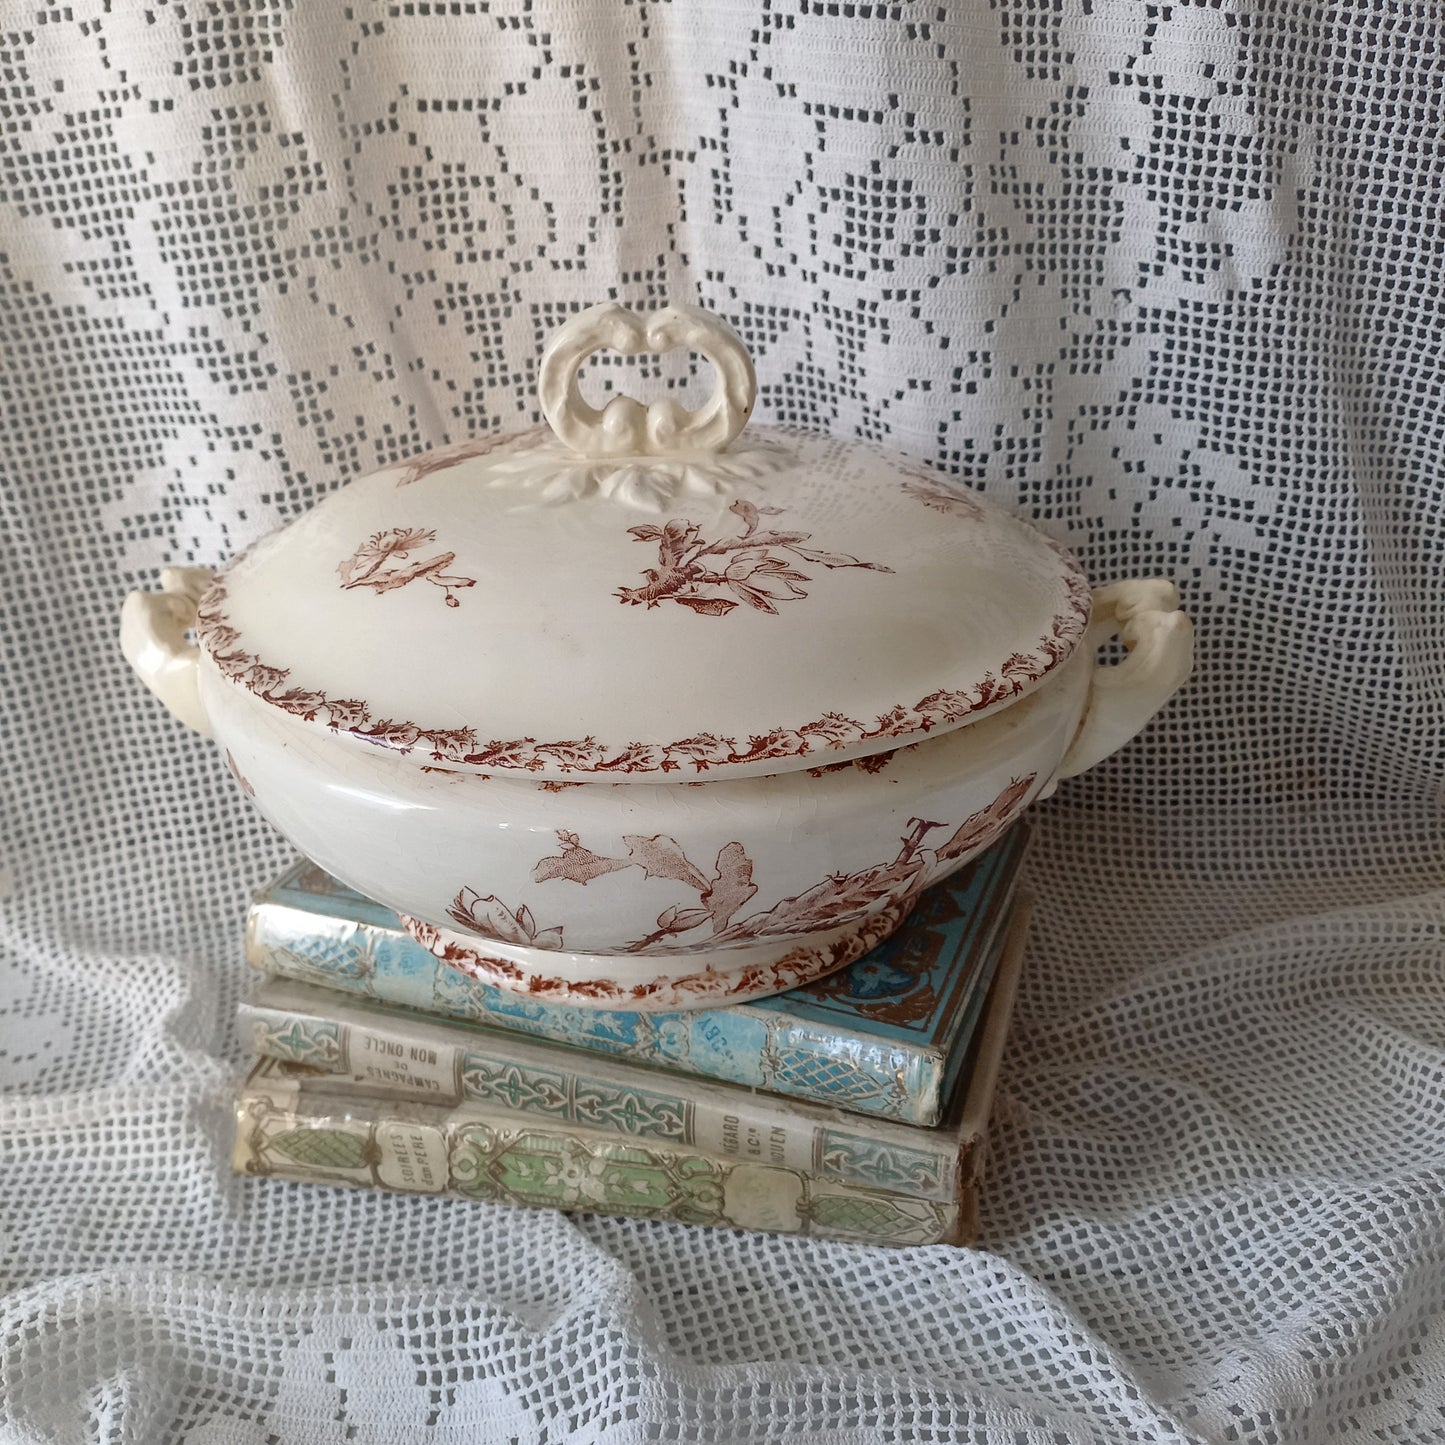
x=855, y=1108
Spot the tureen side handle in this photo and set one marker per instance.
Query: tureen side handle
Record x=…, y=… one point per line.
x=153, y=638
x=1144, y=614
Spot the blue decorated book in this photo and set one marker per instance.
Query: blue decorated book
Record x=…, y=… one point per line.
x=885, y=1036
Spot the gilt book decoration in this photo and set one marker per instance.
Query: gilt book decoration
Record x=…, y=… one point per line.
x=884, y=1036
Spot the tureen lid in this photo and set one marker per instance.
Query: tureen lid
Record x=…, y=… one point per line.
x=641, y=593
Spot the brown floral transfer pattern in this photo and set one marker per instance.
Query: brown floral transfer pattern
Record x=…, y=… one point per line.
x=760, y=569
x=239, y=776
x=948, y=500
x=491, y=918
x=798, y=966
x=702, y=751
x=727, y=887
x=384, y=562
x=871, y=763
x=424, y=464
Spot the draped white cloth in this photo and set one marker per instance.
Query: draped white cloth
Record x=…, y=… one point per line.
x=1167, y=278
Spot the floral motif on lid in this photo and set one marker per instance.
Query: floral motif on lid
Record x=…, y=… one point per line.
x=646, y=592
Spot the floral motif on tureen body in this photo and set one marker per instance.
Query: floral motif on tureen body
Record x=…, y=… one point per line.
x=491, y=918
x=800, y=965
x=726, y=886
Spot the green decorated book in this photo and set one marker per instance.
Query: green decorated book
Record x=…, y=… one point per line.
x=296, y=1122
x=885, y=1036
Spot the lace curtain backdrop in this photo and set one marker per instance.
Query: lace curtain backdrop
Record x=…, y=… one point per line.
x=1167, y=278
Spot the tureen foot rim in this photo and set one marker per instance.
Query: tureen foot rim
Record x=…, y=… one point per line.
x=704, y=978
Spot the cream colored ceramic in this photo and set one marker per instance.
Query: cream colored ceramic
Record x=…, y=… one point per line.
x=645, y=709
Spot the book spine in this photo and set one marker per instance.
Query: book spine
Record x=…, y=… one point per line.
x=757, y=1049
x=442, y=1063
x=425, y=1149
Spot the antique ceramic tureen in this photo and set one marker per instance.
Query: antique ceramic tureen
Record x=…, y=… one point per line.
x=646, y=710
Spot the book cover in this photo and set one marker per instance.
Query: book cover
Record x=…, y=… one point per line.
x=884, y=1036
x=382, y=1049
x=295, y=1123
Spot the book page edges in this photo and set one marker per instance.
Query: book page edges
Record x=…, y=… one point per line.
x=983, y=1084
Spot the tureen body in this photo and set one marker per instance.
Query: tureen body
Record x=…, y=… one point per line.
x=644, y=712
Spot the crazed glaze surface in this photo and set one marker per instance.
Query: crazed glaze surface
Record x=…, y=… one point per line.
x=638, y=721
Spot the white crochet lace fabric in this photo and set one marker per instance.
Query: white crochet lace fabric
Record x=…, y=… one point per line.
x=1166, y=277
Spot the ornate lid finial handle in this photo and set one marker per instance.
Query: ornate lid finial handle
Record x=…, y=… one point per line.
x=624, y=427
